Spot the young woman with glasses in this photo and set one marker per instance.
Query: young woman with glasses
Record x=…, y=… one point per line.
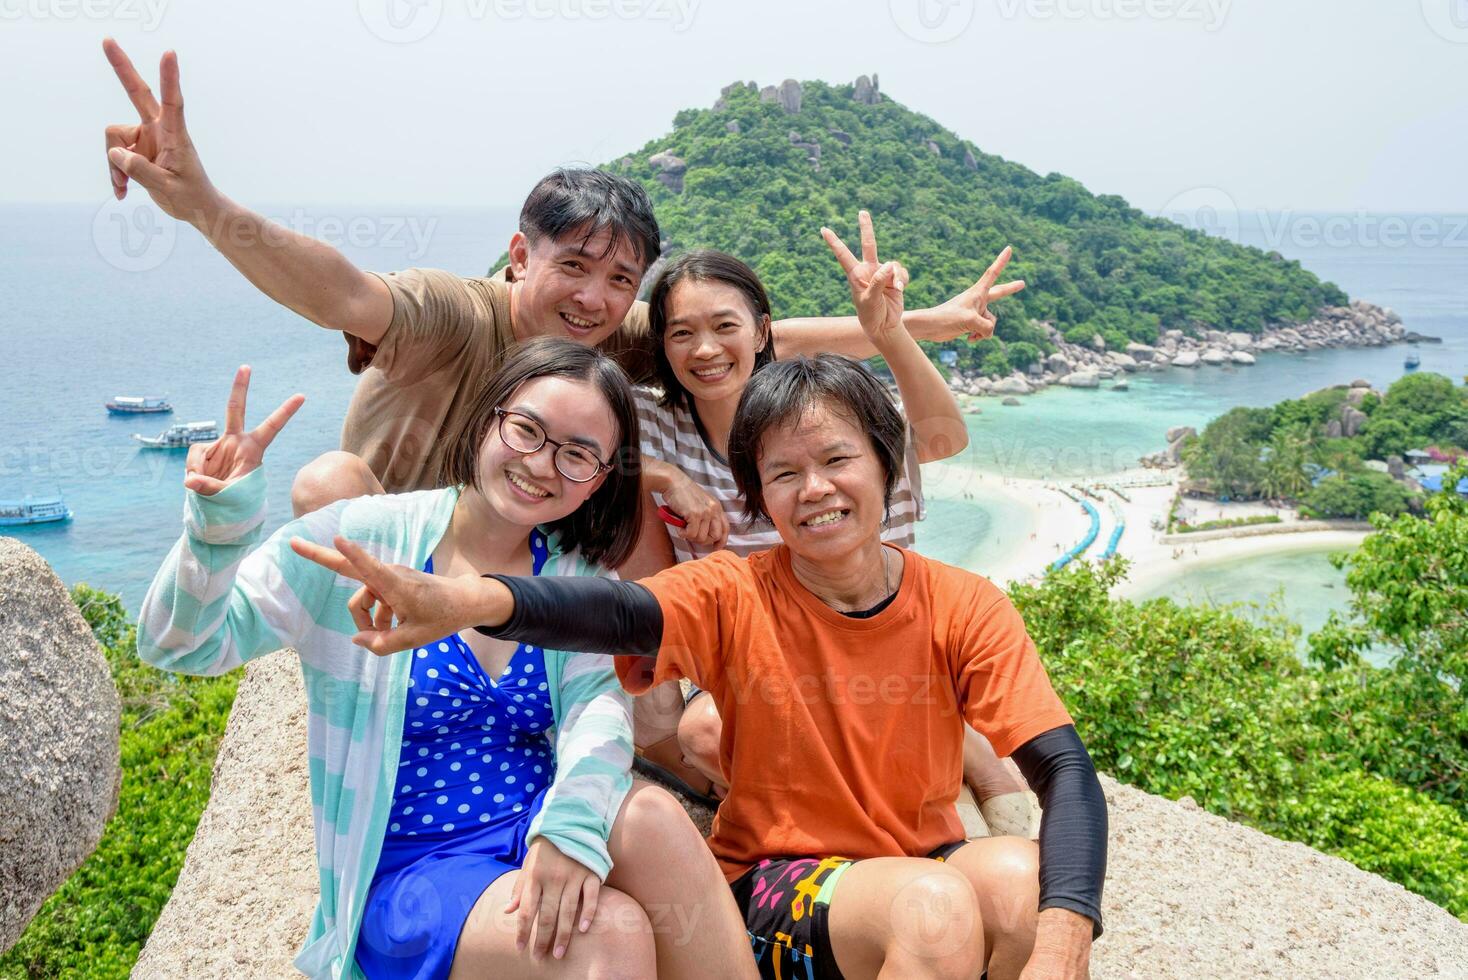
x=474, y=811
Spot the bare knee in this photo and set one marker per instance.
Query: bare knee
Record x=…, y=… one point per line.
x=1009, y=890
x=621, y=938
x=937, y=927
x=331, y=477
x=653, y=827
x=699, y=732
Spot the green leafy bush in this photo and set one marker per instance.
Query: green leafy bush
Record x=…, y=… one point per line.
x=1197, y=701
x=96, y=923
x=1389, y=830
x=1228, y=522
x=1357, y=496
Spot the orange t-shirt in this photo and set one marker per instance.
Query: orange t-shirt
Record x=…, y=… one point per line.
x=844, y=736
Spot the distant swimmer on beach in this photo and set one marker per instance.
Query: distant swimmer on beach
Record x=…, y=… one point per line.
x=474, y=811
x=710, y=319
x=843, y=668
x=423, y=340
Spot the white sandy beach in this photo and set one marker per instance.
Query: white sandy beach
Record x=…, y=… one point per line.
x=1039, y=524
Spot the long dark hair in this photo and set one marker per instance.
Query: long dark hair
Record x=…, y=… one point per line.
x=605, y=527
x=703, y=265
x=781, y=394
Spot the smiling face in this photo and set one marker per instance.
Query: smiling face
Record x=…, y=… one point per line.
x=527, y=490
x=567, y=287
x=823, y=484
x=712, y=337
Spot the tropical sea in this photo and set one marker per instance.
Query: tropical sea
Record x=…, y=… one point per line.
x=116, y=301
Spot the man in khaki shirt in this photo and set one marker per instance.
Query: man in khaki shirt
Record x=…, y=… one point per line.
x=423, y=339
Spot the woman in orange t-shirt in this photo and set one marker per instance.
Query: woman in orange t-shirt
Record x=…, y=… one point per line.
x=844, y=670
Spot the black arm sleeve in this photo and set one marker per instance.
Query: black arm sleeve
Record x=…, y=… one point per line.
x=1073, y=828
x=581, y=613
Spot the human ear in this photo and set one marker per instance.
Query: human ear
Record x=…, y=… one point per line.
x=765, y=332
x=519, y=255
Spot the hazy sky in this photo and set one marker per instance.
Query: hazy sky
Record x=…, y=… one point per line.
x=1306, y=104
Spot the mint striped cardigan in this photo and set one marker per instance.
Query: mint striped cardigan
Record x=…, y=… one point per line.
x=218, y=601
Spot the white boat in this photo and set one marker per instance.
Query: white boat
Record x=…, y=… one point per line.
x=138, y=405
x=44, y=510
x=180, y=436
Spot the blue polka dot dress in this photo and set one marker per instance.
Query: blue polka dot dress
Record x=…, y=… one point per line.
x=472, y=773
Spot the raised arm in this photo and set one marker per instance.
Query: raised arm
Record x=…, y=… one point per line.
x=218, y=600
x=297, y=271
x=876, y=289
x=964, y=315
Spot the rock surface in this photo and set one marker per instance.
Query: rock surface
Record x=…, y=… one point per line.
x=59, y=763
x=243, y=902
x=1187, y=895
x=866, y=90
x=670, y=170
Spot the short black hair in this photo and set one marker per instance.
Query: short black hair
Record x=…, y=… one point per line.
x=703, y=265
x=605, y=527
x=586, y=202
x=781, y=393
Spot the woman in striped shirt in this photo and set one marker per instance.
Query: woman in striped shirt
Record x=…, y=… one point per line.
x=710, y=325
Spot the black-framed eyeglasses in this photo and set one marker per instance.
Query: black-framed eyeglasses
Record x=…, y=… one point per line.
x=525, y=435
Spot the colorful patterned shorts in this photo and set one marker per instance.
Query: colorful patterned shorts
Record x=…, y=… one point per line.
x=786, y=902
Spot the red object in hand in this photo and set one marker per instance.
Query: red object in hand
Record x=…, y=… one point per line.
x=669, y=517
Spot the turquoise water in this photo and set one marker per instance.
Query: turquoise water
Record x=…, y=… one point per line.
x=1069, y=433
x=1302, y=586
x=77, y=328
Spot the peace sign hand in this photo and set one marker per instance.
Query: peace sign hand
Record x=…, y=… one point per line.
x=155, y=151
x=968, y=313
x=212, y=467
x=876, y=288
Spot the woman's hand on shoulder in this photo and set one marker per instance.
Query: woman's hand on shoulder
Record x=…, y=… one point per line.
x=213, y=466
x=553, y=899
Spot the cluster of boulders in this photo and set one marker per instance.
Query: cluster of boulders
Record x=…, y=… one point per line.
x=1361, y=324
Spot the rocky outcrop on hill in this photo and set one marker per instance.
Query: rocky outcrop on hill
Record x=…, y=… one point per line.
x=670, y=170
x=786, y=95
x=1359, y=325
x=59, y=771
x=1187, y=894
x=867, y=90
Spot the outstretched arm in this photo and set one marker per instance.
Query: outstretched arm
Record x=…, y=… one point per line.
x=218, y=600
x=877, y=290
x=297, y=271
x=398, y=608
x=964, y=315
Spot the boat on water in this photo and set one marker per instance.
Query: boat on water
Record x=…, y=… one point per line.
x=1413, y=361
x=138, y=405
x=33, y=510
x=180, y=436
